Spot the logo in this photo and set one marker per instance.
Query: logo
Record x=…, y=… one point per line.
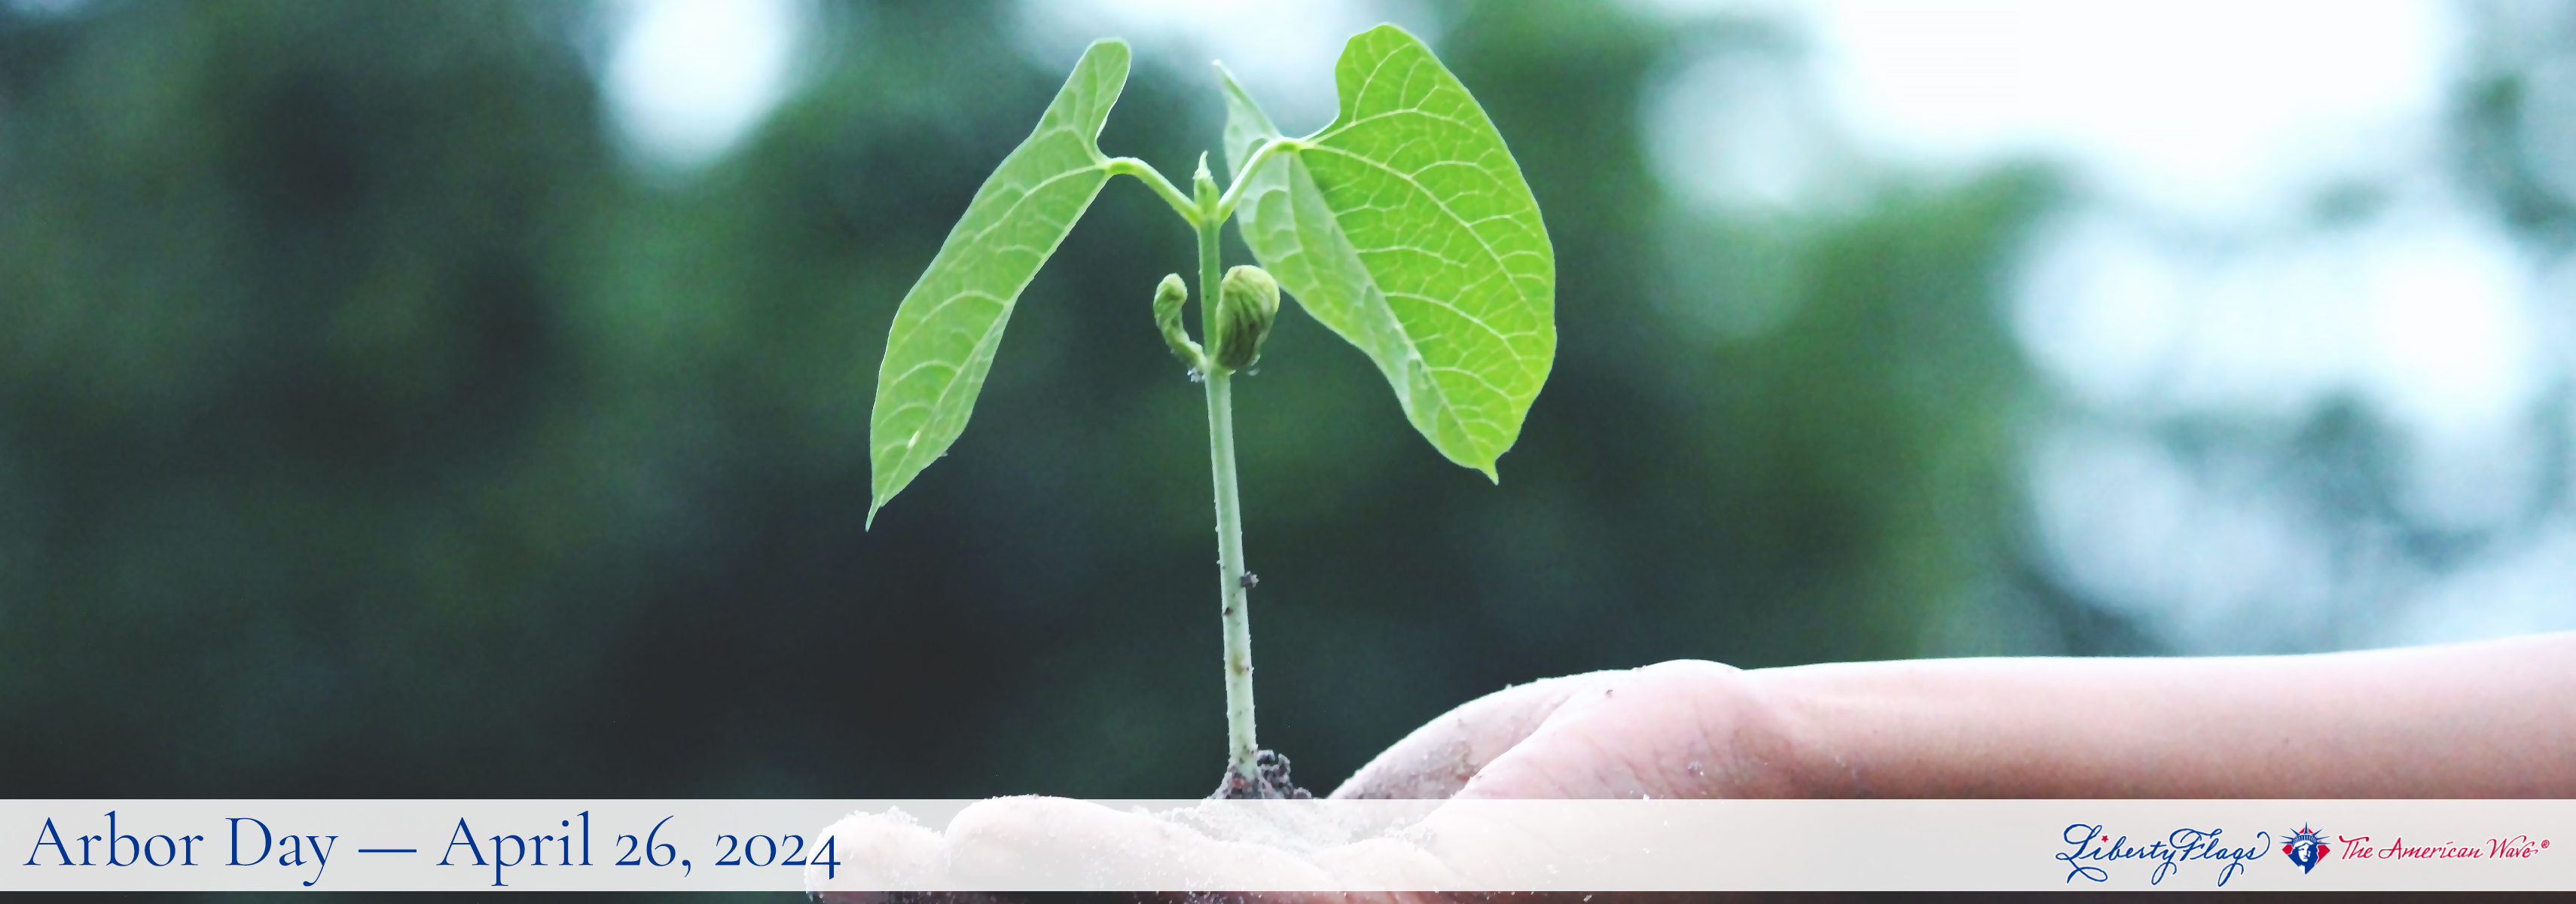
x=2093, y=850
x=2306, y=847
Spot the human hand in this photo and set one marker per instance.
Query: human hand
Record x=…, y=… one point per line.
x=1686, y=729
x=1678, y=729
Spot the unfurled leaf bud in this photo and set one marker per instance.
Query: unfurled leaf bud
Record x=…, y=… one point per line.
x=1168, y=299
x=1247, y=303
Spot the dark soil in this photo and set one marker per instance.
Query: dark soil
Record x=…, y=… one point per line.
x=1271, y=784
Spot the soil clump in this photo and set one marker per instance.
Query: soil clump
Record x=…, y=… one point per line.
x=1271, y=782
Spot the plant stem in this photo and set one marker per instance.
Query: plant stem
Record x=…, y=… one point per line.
x=1153, y=179
x=1234, y=193
x=1235, y=598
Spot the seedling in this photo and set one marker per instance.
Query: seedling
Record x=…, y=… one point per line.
x=1404, y=227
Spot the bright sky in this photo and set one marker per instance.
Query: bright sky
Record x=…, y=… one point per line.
x=2193, y=279
x=1282, y=52
x=2214, y=106
x=2202, y=133
x=687, y=79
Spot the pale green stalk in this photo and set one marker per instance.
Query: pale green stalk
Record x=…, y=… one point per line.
x=1153, y=179
x=1243, y=177
x=1235, y=597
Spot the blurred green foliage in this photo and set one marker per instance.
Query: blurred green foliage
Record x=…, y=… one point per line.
x=367, y=429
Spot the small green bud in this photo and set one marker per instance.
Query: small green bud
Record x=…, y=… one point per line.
x=1168, y=299
x=1203, y=185
x=1247, y=303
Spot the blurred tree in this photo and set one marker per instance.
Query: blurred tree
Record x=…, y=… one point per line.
x=366, y=429
x=294, y=439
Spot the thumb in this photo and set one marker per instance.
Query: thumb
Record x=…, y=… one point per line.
x=1438, y=758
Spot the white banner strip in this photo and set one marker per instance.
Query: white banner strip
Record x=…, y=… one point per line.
x=1048, y=844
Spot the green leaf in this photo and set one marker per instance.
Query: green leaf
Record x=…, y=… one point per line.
x=948, y=326
x=1405, y=227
